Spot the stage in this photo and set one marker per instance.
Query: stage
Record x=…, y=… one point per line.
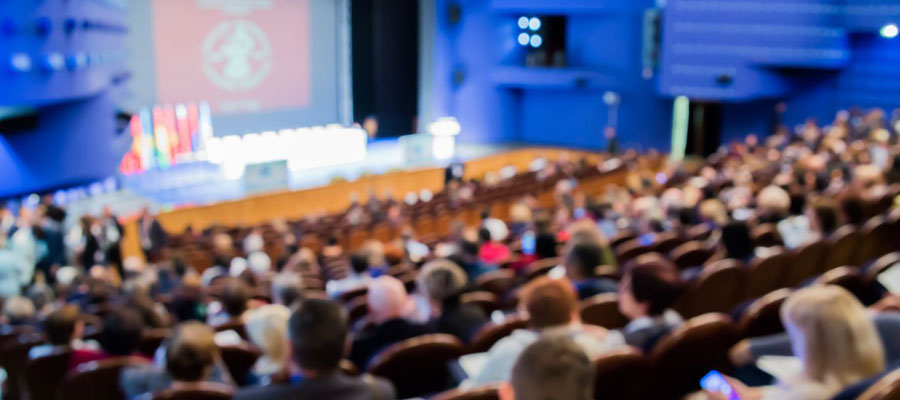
x=202, y=183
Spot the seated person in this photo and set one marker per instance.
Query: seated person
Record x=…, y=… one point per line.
x=63, y=327
x=646, y=294
x=552, y=310
x=389, y=308
x=835, y=340
x=191, y=355
x=358, y=278
x=122, y=329
x=235, y=298
x=267, y=330
x=553, y=368
x=749, y=350
x=19, y=312
x=492, y=251
x=287, y=289
x=737, y=242
x=467, y=257
x=318, y=330
x=580, y=262
x=441, y=283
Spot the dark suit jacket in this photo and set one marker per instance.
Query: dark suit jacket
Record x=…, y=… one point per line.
x=332, y=387
x=646, y=338
x=158, y=238
x=594, y=286
x=460, y=320
x=368, y=345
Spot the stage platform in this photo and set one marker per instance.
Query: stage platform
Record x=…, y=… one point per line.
x=202, y=183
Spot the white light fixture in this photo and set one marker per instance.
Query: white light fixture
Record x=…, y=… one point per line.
x=523, y=22
x=889, y=31
x=524, y=38
x=536, y=40
x=534, y=23
x=444, y=131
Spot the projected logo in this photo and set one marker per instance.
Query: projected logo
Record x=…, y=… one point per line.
x=237, y=55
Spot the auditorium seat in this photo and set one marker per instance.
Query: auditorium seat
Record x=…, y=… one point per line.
x=97, y=380
x=767, y=274
x=848, y=278
x=880, y=265
x=486, y=301
x=418, y=366
x=690, y=254
x=845, y=243
x=763, y=316
x=878, y=240
x=357, y=309
x=490, y=392
x=239, y=359
x=348, y=296
x=44, y=375
x=13, y=357
x=489, y=334
x=766, y=235
x=498, y=282
x=348, y=368
x=806, y=263
x=621, y=238
x=719, y=288
x=886, y=388
x=666, y=242
x=541, y=267
x=234, y=324
x=151, y=340
x=602, y=310
x=196, y=391
x=686, y=354
x=630, y=250
x=620, y=374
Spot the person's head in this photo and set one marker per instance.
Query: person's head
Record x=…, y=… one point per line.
x=712, y=211
x=854, y=210
x=737, y=241
x=259, y=263
x=553, y=368
x=549, y=302
x=121, y=333
x=581, y=260
x=441, y=280
x=833, y=334
x=267, y=328
x=359, y=263
x=649, y=289
x=824, y=216
x=18, y=310
x=388, y=299
x=318, y=332
x=63, y=325
x=235, y=296
x=191, y=353
x=545, y=245
x=484, y=235
x=773, y=201
x=187, y=304
x=287, y=289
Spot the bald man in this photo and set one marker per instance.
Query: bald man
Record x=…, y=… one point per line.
x=389, y=308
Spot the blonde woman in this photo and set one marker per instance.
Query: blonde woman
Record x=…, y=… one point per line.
x=267, y=329
x=834, y=337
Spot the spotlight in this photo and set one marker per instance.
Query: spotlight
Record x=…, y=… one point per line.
x=536, y=41
x=524, y=38
x=889, y=31
x=523, y=22
x=534, y=23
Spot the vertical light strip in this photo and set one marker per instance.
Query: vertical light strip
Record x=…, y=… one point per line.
x=345, y=65
x=680, y=118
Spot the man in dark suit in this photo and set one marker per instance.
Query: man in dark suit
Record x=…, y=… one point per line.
x=646, y=293
x=580, y=263
x=318, y=331
x=153, y=237
x=389, y=306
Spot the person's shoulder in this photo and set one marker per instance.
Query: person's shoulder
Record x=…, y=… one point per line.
x=267, y=392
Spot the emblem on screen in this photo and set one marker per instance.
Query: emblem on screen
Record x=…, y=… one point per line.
x=236, y=7
x=237, y=55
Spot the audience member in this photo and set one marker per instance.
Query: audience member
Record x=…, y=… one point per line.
x=358, y=277
x=551, y=307
x=63, y=328
x=646, y=294
x=287, y=289
x=235, y=298
x=18, y=311
x=267, y=330
x=492, y=251
x=442, y=283
x=318, y=331
x=390, y=309
x=121, y=334
x=832, y=334
x=580, y=262
x=552, y=368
